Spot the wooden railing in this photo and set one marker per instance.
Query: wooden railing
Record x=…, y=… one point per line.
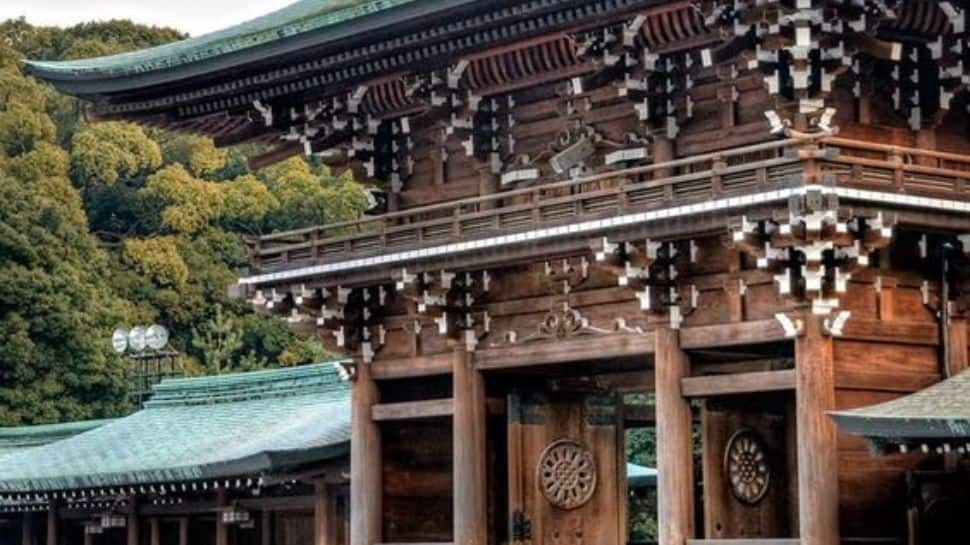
x=913, y=171
x=739, y=171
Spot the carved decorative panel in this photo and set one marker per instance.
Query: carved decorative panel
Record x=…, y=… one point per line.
x=746, y=467
x=567, y=474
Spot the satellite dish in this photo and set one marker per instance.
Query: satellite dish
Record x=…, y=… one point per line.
x=136, y=338
x=119, y=340
x=156, y=337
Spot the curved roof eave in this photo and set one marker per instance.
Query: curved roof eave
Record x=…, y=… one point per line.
x=303, y=25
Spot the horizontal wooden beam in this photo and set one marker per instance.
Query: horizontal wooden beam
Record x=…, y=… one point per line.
x=920, y=333
x=750, y=541
x=416, y=367
x=733, y=334
x=738, y=383
x=412, y=410
x=582, y=349
x=639, y=416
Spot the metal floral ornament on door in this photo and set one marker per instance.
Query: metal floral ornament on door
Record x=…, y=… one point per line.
x=746, y=467
x=567, y=474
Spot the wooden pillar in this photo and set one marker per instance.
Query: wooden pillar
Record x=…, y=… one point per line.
x=468, y=435
x=156, y=531
x=27, y=529
x=266, y=528
x=132, y=525
x=488, y=184
x=959, y=351
x=222, y=529
x=663, y=151
x=675, y=461
x=324, y=515
x=184, y=531
x=818, y=486
x=366, y=490
x=88, y=538
x=52, y=524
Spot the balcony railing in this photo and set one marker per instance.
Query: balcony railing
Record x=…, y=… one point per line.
x=739, y=171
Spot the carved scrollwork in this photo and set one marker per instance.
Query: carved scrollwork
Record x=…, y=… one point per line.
x=567, y=474
x=746, y=467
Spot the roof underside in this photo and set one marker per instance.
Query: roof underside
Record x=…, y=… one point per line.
x=197, y=429
x=939, y=412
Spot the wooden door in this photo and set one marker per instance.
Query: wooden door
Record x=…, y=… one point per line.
x=567, y=475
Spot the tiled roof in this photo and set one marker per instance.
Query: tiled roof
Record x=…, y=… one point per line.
x=299, y=18
x=641, y=477
x=14, y=439
x=230, y=425
x=941, y=411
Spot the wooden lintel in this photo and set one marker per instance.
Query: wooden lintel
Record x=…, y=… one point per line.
x=921, y=333
x=421, y=366
x=738, y=383
x=185, y=508
x=582, y=349
x=285, y=503
x=734, y=334
x=639, y=416
x=412, y=410
x=750, y=541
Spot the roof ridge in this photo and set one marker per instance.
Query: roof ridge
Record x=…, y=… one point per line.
x=320, y=378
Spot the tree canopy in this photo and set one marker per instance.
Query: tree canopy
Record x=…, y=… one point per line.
x=111, y=224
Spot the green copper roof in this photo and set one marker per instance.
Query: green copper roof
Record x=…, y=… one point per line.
x=641, y=477
x=14, y=439
x=299, y=18
x=941, y=411
x=230, y=425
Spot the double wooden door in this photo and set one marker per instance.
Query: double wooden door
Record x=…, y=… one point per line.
x=566, y=469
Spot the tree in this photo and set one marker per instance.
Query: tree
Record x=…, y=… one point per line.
x=218, y=340
x=108, y=153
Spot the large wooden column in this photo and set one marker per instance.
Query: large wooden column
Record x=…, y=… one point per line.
x=324, y=514
x=27, y=529
x=222, y=529
x=366, y=490
x=470, y=494
x=52, y=524
x=265, y=528
x=957, y=359
x=675, y=461
x=132, y=525
x=184, y=531
x=818, y=486
x=155, y=535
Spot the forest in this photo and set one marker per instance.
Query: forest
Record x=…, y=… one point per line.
x=110, y=225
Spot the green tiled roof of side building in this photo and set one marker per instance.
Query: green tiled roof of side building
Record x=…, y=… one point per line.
x=193, y=429
x=19, y=438
x=298, y=18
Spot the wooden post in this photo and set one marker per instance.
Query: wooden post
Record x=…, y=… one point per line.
x=265, y=528
x=675, y=461
x=366, y=490
x=88, y=538
x=468, y=425
x=959, y=351
x=156, y=531
x=663, y=151
x=222, y=529
x=488, y=184
x=818, y=486
x=52, y=524
x=132, y=525
x=184, y=531
x=324, y=515
x=27, y=529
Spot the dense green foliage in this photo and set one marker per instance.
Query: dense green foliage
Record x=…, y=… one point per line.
x=112, y=224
